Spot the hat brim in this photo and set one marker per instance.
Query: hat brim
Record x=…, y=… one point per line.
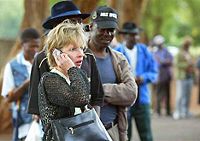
x=135, y=31
x=107, y=24
x=51, y=22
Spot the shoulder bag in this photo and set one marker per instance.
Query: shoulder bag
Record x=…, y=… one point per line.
x=85, y=126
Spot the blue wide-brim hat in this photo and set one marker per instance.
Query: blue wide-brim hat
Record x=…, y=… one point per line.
x=61, y=11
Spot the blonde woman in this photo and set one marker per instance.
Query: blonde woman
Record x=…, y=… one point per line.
x=66, y=86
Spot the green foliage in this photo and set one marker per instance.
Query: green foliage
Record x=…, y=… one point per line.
x=52, y=2
x=102, y=2
x=11, y=13
x=174, y=19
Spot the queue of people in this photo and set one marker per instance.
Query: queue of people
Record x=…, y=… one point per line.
x=74, y=69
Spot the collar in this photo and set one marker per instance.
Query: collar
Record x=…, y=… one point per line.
x=20, y=58
x=54, y=70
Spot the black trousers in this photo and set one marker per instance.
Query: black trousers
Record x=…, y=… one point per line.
x=142, y=116
x=163, y=95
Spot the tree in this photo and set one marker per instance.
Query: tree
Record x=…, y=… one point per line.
x=34, y=15
x=129, y=10
x=136, y=8
x=86, y=6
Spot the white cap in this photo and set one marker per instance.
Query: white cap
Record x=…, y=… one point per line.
x=159, y=39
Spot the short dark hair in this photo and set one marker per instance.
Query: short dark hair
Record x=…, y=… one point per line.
x=28, y=34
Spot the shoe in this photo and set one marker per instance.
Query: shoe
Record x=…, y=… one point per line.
x=176, y=116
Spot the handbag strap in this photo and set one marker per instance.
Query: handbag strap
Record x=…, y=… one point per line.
x=88, y=106
x=85, y=108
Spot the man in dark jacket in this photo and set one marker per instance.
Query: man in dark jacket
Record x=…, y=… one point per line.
x=118, y=82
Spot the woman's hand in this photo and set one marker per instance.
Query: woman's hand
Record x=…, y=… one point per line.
x=64, y=62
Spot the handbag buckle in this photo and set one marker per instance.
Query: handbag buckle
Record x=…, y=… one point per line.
x=72, y=130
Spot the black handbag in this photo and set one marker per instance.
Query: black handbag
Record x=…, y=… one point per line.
x=85, y=126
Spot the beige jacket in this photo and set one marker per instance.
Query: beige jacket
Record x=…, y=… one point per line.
x=124, y=93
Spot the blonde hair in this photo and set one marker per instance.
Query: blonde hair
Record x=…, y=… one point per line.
x=64, y=34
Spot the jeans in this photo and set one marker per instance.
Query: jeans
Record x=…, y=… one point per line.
x=183, y=95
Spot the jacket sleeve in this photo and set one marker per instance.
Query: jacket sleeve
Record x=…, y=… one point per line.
x=40, y=66
x=97, y=93
x=123, y=93
x=151, y=73
x=33, y=93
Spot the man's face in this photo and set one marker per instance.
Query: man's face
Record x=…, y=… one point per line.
x=31, y=47
x=101, y=36
x=131, y=39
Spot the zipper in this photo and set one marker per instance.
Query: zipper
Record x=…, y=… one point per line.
x=72, y=128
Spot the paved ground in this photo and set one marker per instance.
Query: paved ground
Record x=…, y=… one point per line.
x=164, y=129
x=168, y=129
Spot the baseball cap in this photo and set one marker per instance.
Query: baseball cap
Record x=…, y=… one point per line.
x=105, y=17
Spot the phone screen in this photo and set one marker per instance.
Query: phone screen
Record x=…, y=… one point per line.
x=56, y=52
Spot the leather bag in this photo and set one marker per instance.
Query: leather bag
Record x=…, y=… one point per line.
x=85, y=126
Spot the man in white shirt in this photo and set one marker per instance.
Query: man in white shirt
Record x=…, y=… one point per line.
x=16, y=82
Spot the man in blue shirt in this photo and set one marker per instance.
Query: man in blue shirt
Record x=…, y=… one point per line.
x=145, y=70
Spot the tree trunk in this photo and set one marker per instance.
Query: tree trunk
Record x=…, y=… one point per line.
x=158, y=22
x=114, y=4
x=129, y=10
x=35, y=13
x=133, y=10
x=86, y=6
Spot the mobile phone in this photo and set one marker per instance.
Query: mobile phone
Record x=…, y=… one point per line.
x=56, y=52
